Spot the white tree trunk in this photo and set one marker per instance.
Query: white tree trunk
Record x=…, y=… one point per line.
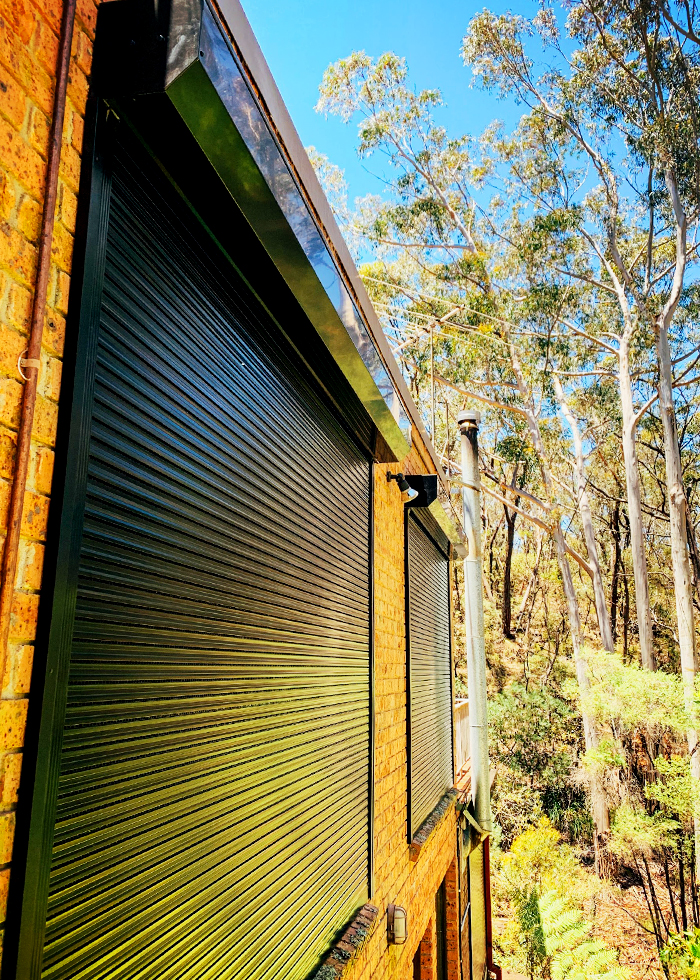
x=599, y=804
x=601, y=604
x=634, y=511
x=680, y=559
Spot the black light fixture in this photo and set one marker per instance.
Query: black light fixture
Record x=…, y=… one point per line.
x=407, y=492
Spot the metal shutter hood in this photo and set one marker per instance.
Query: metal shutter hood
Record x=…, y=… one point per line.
x=183, y=48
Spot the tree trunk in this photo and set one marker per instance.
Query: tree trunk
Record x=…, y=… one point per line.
x=634, y=510
x=584, y=504
x=693, y=548
x=534, y=574
x=599, y=805
x=680, y=559
x=626, y=609
x=506, y=609
x=616, y=562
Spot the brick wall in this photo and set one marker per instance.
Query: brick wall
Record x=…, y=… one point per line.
x=397, y=879
x=29, y=32
x=426, y=953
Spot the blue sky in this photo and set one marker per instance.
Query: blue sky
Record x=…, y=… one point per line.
x=300, y=38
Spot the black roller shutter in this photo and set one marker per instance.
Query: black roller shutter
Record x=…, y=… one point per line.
x=213, y=803
x=430, y=675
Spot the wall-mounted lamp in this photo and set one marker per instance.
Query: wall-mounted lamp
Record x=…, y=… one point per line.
x=407, y=492
x=397, y=925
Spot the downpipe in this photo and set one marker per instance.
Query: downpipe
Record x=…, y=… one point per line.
x=31, y=362
x=474, y=620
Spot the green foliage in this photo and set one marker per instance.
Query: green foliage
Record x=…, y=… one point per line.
x=535, y=736
x=532, y=933
x=542, y=878
x=606, y=755
x=682, y=952
x=635, y=832
x=539, y=859
x=573, y=954
x=676, y=790
x=626, y=698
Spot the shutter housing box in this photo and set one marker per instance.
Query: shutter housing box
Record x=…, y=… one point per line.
x=183, y=49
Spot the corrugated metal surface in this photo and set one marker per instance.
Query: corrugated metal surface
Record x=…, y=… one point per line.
x=213, y=813
x=430, y=719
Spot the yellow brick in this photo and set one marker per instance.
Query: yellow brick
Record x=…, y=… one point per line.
x=7, y=196
x=45, y=45
x=40, y=469
x=54, y=332
x=23, y=616
x=8, y=441
x=45, y=420
x=4, y=887
x=12, y=767
x=7, y=836
x=39, y=132
x=70, y=166
x=83, y=52
x=12, y=99
x=31, y=563
x=4, y=505
x=10, y=47
x=78, y=86
x=13, y=719
x=68, y=207
x=29, y=218
x=76, y=130
x=62, y=247
x=87, y=15
x=17, y=254
x=24, y=660
x=35, y=515
x=51, y=12
x=10, y=398
x=19, y=313
x=62, y=291
x=50, y=377
x=18, y=20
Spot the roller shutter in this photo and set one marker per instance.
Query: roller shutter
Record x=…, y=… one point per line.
x=213, y=814
x=430, y=674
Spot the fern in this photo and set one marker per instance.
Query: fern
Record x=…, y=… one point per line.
x=572, y=954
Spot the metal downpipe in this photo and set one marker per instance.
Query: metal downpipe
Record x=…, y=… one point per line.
x=474, y=620
x=32, y=359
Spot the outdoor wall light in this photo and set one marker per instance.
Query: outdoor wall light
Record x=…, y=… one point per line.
x=407, y=492
x=397, y=922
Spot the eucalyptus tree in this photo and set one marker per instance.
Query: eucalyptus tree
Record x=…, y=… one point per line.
x=624, y=105
x=437, y=259
x=625, y=101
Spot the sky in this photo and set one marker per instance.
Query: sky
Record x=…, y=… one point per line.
x=300, y=38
